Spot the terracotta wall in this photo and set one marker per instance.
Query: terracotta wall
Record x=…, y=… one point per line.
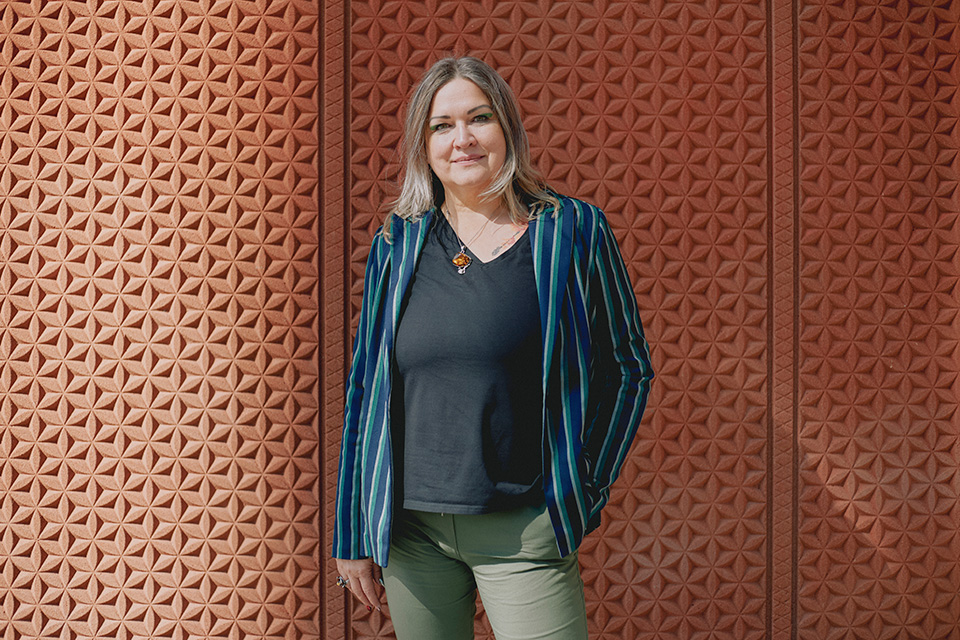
x=159, y=320
x=175, y=313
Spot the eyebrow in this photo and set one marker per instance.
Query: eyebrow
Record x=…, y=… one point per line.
x=483, y=106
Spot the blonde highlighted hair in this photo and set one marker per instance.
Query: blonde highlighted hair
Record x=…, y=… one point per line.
x=518, y=183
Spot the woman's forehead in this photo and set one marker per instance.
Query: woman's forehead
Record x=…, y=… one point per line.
x=457, y=93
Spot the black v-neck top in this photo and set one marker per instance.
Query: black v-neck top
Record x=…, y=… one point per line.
x=467, y=402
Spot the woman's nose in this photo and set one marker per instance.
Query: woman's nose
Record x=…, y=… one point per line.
x=463, y=136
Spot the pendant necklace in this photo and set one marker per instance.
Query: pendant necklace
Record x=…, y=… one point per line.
x=461, y=261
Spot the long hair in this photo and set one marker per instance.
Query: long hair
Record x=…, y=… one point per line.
x=518, y=184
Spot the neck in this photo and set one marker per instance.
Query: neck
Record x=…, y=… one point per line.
x=470, y=223
x=472, y=211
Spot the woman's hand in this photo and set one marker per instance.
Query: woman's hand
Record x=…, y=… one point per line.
x=363, y=580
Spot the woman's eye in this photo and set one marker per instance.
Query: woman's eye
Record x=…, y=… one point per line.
x=439, y=126
x=484, y=117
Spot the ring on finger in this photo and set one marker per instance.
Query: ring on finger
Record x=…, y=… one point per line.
x=342, y=582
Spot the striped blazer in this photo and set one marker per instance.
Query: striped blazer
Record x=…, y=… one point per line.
x=596, y=376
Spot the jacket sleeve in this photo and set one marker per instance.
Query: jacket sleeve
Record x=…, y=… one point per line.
x=620, y=381
x=349, y=541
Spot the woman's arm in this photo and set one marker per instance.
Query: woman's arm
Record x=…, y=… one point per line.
x=348, y=531
x=620, y=381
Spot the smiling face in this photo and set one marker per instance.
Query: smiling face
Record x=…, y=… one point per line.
x=466, y=147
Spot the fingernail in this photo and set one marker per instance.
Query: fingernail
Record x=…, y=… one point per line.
x=369, y=609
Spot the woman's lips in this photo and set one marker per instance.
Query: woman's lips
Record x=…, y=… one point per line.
x=467, y=159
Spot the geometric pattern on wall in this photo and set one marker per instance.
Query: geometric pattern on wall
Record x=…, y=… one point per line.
x=158, y=320
x=658, y=114
x=879, y=463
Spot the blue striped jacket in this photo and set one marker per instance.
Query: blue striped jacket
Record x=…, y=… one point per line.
x=596, y=376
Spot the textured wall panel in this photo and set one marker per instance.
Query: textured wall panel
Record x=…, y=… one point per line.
x=679, y=152
x=158, y=320
x=879, y=486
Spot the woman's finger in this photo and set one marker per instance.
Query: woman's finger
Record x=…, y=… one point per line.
x=370, y=590
x=361, y=580
x=355, y=585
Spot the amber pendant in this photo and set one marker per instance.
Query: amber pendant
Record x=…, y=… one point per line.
x=461, y=261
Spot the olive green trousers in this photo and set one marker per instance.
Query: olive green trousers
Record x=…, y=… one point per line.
x=438, y=563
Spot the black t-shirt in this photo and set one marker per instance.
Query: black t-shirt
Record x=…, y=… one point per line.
x=467, y=397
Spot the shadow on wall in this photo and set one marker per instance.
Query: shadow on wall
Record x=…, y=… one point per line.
x=879, y=535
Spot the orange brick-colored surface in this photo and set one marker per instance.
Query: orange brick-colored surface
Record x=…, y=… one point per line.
x=878, y=450
x=158, y=320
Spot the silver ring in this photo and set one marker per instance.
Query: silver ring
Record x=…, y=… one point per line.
x=342, y=582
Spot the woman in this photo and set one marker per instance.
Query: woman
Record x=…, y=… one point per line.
x=499, y=375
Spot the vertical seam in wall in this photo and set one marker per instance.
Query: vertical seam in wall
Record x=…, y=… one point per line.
x=321, y=377
x=347, y=242
x=770, y=319
x=795, y=511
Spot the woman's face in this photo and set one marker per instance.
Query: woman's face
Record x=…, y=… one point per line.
x=465, y=143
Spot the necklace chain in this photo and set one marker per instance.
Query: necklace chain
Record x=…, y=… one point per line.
x=461, y=261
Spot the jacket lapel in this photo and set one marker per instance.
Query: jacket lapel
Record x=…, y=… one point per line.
x=552, y=242
x=408, y=239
